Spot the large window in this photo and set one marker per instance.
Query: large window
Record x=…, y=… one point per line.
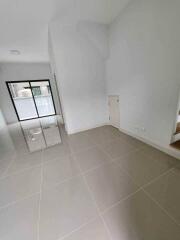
x=31, y=99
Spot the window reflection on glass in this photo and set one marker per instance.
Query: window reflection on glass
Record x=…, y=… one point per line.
x=41, y=133
x=23, y=100
x=43, y=98
x=32, y=99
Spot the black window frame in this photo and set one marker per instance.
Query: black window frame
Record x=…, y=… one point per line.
x=29, y=81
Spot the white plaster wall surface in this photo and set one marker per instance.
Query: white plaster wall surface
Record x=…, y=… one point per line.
x=80, y=70
x=144, y=67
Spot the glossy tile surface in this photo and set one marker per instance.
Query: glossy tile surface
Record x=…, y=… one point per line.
x=79, y=142
x=139, y=218
x=19, y=221
x=56, y=152
x=91, y=158
x=94, y=230
x=65, y=208
x=23, y=161
x=87, y=187
x=59, y=170
x=165, y=191
x=109, y=185
x=19, y=186
x=142, y=167
x=156, y=154
x=118, y=148
x=103, y=135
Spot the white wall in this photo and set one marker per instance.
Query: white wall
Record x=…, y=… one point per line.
x=6, y=143
x=144, y=67
x=98, y=34
x=22, y=71
x=80, y=72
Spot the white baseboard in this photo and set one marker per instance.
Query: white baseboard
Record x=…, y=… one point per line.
x=176, y=137
x=85, y=129
x=167, y=149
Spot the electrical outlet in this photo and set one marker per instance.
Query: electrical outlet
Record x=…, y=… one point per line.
x=140, y=129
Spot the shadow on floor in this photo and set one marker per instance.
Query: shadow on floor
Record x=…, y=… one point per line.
x=176, y=145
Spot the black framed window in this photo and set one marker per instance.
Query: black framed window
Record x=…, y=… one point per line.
x=32, y=99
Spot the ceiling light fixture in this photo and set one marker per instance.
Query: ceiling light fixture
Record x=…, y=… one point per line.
x=15, y=52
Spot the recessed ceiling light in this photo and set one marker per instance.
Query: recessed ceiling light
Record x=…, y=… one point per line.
x=15, y=52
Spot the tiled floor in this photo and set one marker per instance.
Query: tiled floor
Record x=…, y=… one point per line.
x=98, y=185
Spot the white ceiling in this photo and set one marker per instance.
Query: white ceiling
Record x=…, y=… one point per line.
x=24, y=23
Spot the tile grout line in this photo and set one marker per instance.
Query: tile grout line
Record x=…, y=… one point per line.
x=83, y=174
x=140, y=188
x=148, y=145
x=94, y=146
x=17, y=172
x=86, y=172
x=94, y=201
x=5, y=172
x=72, y=154
x=111, y=159
x=62, y=182
x=20, y=172
x=137, y=150
x=32, y=167
x=150, y=155
x=115, y=161
x=148, y=183
x=56, y=159
x=97, y=208
x=102, y=149
x=120, y=201
x=158, y=177
x=77, y=229
x=161, y=207
x=18, y=201
x=117, y=138
x=24, y=198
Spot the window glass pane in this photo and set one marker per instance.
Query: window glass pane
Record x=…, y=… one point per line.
x=43, y=98
x=23, y=100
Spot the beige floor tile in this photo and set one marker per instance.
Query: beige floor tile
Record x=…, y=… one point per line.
x=58, y=170
x=17, y=187
x=4, y=164
x=65, y=208
x=92, y=231
x=80, y=141
x=135, y=142
x=143, y=168
x=22, y=162
x=17, y=137
x=103, y=135
x=139, y=218
x=56, y=152
x=156, y=154
x=109, y=185
x=19, y=221
x=118, y=148
x=165, y=191
x=91, y=158
x=111, y=129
